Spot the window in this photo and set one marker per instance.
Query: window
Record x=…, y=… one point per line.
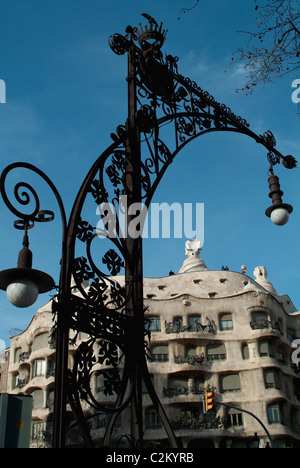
x=274, y=414
x=230, y=383
x=266, y=348
x=159, y=353
x=41, y=341
x=290, y=335
x=40, y=431
x=234, y=418
x=272, y=379
x=39, y=368
x=38, y=398
x=179, y=385
x=152, y=420
x=154, y=325
x=245, y=351
x=216, y=352
x=178, y=324
x=259, y=320
x=226, y=322
x=16, y=380
x=194, y=323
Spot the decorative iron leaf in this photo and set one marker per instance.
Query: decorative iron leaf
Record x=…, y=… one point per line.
x=108, y=353
x=113, y=261
x=98, y=192
x=82, y=271
x=84, y=231
x=97, y=291
x=84, y=361
x=117, y=294
x=112, y=382
x=118, y=160
x=116, y=170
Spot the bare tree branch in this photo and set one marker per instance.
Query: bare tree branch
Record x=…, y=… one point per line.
x=272, y=51
x=184, y=10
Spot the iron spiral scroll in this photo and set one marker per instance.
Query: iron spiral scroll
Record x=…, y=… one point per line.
x=99, y=309
x=92, y=297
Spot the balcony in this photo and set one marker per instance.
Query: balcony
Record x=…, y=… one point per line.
x=265, y=324
x=194, y=326
x=193, y=360
x=199, y=422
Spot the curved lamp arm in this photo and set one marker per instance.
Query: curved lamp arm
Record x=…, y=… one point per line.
x=24, y=198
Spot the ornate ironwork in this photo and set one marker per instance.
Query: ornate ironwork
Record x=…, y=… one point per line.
x=90, y=297
x=177, y=327
x=193, y=360
x=24, y=356
x=26, y=196
x=181, y=390
x=266, y=324
x=199, y=422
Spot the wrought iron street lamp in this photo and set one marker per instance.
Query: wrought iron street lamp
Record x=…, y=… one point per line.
x=159, y=99
x=23, y=284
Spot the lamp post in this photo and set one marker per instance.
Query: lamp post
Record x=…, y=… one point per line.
x=159, y=99
x=255, y=441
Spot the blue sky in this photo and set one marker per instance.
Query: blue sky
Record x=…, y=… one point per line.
x=66, y=92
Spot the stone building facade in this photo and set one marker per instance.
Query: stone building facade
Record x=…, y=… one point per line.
x=217, y=330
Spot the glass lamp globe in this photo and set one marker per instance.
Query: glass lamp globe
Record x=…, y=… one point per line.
x=22, y=293
x=23, y=284
x=280, y=216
